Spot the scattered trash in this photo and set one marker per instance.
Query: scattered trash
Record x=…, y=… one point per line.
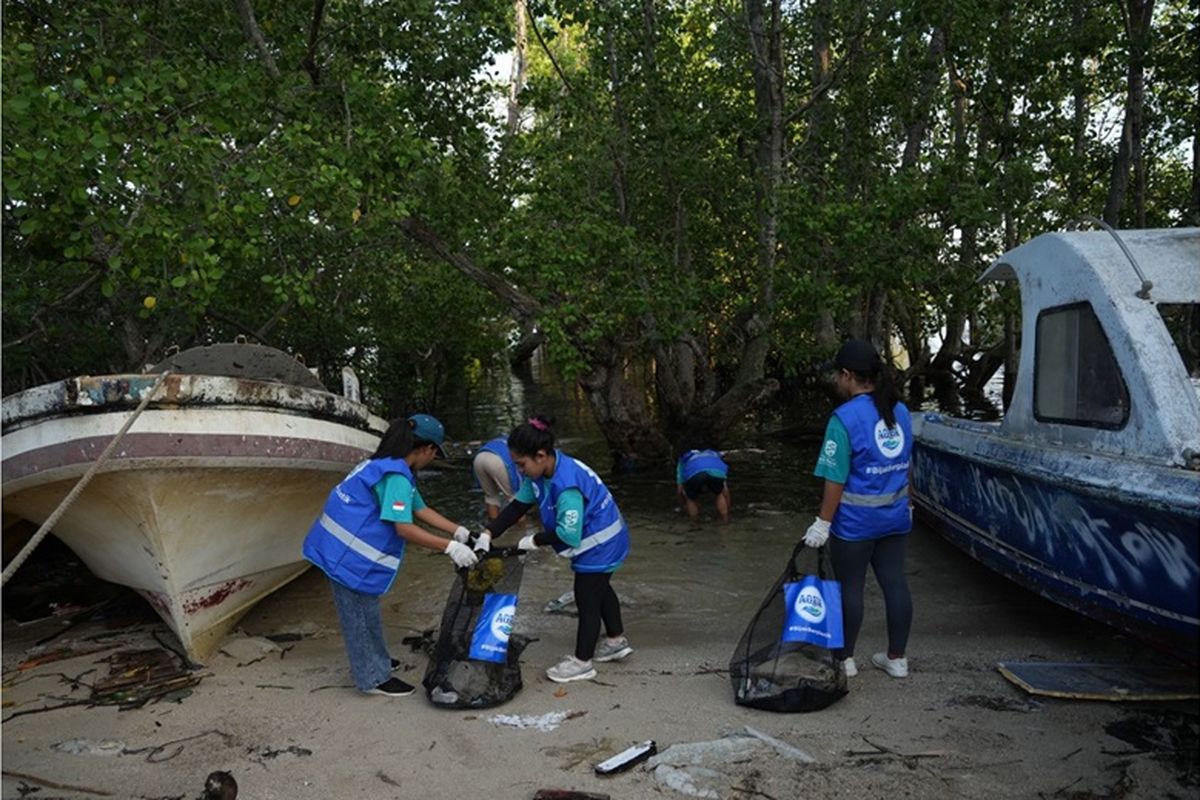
x=562, y=605
x=781, y=747
x=219, y=785
x=567, y=794
x=561, y=692
x=138, y=676
x=692, y=781
x=627, y=758
x=422, y=643
x=270, y=753
x=305, y=630
x=62, y=653
x=737, y=747
x=78, y=747
x=545, y=723
x=992, y=703
x=249, y=649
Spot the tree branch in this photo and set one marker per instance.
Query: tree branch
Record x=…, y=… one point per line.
x=309, y=63
x=542, y=42
x=246, y=15
x=523, y=305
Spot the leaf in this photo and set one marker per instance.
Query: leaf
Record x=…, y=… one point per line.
x=294, y=200
x=150, y=301
x=179, y=281
x=106, y=288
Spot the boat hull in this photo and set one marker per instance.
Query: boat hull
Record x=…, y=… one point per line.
x=202, y=509
x=1086, y=541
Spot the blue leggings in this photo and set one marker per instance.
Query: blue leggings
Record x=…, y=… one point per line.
x=886, y=557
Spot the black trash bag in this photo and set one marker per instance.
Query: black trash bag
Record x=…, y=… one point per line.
x=455, y=680
x=770, y=674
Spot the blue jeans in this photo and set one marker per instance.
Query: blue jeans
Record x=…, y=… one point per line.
x=362, y=629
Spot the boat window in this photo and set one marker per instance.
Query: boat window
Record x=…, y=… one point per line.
x=1076, y=378
x=1183, y=322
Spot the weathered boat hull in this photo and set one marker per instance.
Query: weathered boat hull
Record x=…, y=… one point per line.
x=1072, y=528
x=204, y=504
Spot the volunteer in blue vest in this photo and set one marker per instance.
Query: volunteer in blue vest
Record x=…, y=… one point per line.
x=700, y=471
x=865, y=505
x=497, y=475
x=359, y=540
x=581, y=521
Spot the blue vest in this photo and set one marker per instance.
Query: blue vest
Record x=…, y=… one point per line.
x=499, y=446
x=693, y=462
x=875, y=500
x=605, y=540
x=349, y=541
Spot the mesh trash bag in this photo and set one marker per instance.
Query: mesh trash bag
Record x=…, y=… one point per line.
x=772, y=674
x=475, y=662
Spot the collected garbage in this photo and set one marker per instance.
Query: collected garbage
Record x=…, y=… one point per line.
x=476, y=660
x=778, y=664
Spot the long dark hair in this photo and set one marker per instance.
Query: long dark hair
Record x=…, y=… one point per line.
x=530, y=437
x=884, y=395
x=398, y=440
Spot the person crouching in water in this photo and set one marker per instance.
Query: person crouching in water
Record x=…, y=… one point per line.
x=700, y=471
x=358, y=542
x=580, y=521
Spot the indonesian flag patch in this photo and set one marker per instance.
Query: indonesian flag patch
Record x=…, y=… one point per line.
x=399, y=505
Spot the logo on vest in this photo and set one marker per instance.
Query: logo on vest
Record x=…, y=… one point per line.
x=502, y=623
x=810, y=605
x=890, y=441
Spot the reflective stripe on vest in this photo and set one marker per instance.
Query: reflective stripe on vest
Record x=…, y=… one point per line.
x=364, y=549
x=596, y=539
x=873, y=500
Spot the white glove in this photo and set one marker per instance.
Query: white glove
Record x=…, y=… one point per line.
x=527, y=543
x=817, y=533
x=461, y=534
x=460, y=554
x=483, y=543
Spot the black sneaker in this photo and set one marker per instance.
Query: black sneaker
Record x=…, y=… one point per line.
x=393, y=687
x=396, y=664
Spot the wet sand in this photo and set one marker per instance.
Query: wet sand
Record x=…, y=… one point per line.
x=290, y=725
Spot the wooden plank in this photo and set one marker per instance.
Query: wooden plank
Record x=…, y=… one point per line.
x=1112, y=682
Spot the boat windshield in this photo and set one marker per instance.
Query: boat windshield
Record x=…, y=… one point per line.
x=1183, y=321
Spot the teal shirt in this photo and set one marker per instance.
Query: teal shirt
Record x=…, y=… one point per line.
x=398, y=498
x=834, y=462
x=568, y=514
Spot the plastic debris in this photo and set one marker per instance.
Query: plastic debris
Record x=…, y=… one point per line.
x=247, y=649
x=89, y=747
x=544, y=723
x=781, y=747
x=718, y=751
x=692, y=781
x=562, y=605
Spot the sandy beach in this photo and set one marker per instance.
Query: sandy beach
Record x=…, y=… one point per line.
x=286, y=723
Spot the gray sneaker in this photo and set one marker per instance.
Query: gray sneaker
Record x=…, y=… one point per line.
x=612, y=649
x=571, y=669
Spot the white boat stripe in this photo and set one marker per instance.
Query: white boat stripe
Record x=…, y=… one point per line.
x=358, y=545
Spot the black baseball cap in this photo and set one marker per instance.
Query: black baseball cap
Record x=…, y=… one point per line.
x=856, y=355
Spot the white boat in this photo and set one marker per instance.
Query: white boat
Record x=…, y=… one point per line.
x=1088, y=490
x=204, y=503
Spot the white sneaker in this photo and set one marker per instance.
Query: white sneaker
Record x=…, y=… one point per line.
x=571, y=669
x=849, y=667
x=612, y=649
x=896, y=667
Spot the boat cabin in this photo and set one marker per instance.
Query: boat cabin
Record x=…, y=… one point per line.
x=1100, y=368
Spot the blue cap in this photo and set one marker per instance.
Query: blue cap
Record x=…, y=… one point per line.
x=428, y=429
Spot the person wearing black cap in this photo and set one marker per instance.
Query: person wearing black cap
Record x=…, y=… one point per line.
x=865, y=461
x=358, y=542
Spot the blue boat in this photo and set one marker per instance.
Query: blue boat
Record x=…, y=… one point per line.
x=1088, y=490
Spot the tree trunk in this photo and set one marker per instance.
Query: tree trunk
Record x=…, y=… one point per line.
x=766, y=64
x=517, y=77
x=1138, y=15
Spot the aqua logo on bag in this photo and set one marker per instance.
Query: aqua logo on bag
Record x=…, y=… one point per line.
x=810, y=605
x=814, y=612
x=489, y=642
x=890, y=441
